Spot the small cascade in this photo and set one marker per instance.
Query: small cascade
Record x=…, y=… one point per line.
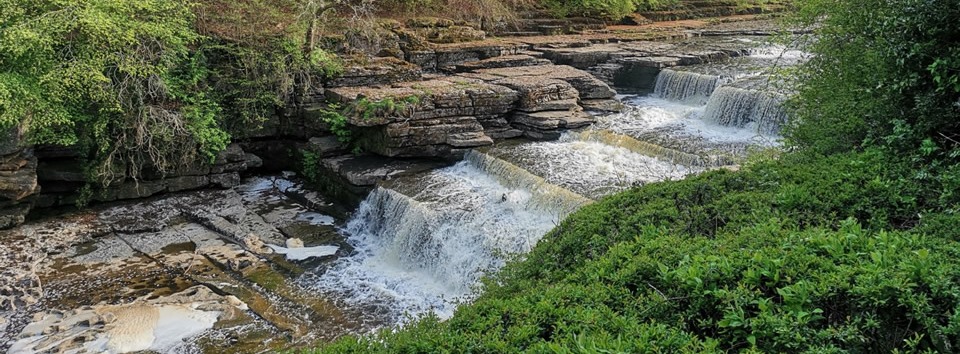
x=645, y=148
x=686, y=86
x=739, y=107
x=425, y=251
x=588, y=167
x=513, y=176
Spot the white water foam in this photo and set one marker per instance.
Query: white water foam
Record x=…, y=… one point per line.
x=591, y=168
x=426, y=254
x=302, y=253
x=649, y=114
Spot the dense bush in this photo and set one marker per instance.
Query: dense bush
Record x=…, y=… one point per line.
x=611, y=9
x=116, y=78
x=784, y=256
x=138, y=85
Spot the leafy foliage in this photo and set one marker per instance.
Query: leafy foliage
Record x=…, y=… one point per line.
x=886, y=72
x=783, y=256
x=114, y=77
x=133, y=86
x=611, y=9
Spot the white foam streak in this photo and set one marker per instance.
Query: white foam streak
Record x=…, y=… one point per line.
x=426, y=254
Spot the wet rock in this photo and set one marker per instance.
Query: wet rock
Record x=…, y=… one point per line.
x=603, y=105
x=225, y=180
x=127, y=327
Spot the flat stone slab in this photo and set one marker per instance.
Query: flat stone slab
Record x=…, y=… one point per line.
x=505, y=61
x=377, y=71
x=367, y=170
x=588, y=86
x=435, y=98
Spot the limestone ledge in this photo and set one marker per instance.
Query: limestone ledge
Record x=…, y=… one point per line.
x=18, y=178
x=472, y=108
x=61, y=179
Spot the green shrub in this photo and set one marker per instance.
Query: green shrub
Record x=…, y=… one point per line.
x=114, y=78
x=785, y=255
x=609, y=9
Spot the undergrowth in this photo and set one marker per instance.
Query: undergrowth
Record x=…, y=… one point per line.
x=822, y=254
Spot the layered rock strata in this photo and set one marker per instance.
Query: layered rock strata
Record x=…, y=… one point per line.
x=18, y=178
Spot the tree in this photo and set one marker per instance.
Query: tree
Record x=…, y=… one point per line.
x=113, y=78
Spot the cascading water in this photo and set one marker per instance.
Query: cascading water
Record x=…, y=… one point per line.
x=742, y=108
x=590, y=167
x=685, y=86
x=422, y=244
x=426, y=253
x=644, y=148
x=546, y=195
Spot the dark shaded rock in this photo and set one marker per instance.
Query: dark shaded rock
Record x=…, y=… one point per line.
x=13, y=215
x=252, y=161
x=9, y=141
x=275, y=155
x=131, y=190
x=326, y=146
x=177, y=184
x=60, y=170
x=225, y=180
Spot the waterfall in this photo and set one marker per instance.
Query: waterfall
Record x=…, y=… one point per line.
x=546, y=194
x=685, y=86
x=425, y=252
x=738, y=107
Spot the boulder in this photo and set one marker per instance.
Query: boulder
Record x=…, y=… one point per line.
x=542, y=94
x=18, y=176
